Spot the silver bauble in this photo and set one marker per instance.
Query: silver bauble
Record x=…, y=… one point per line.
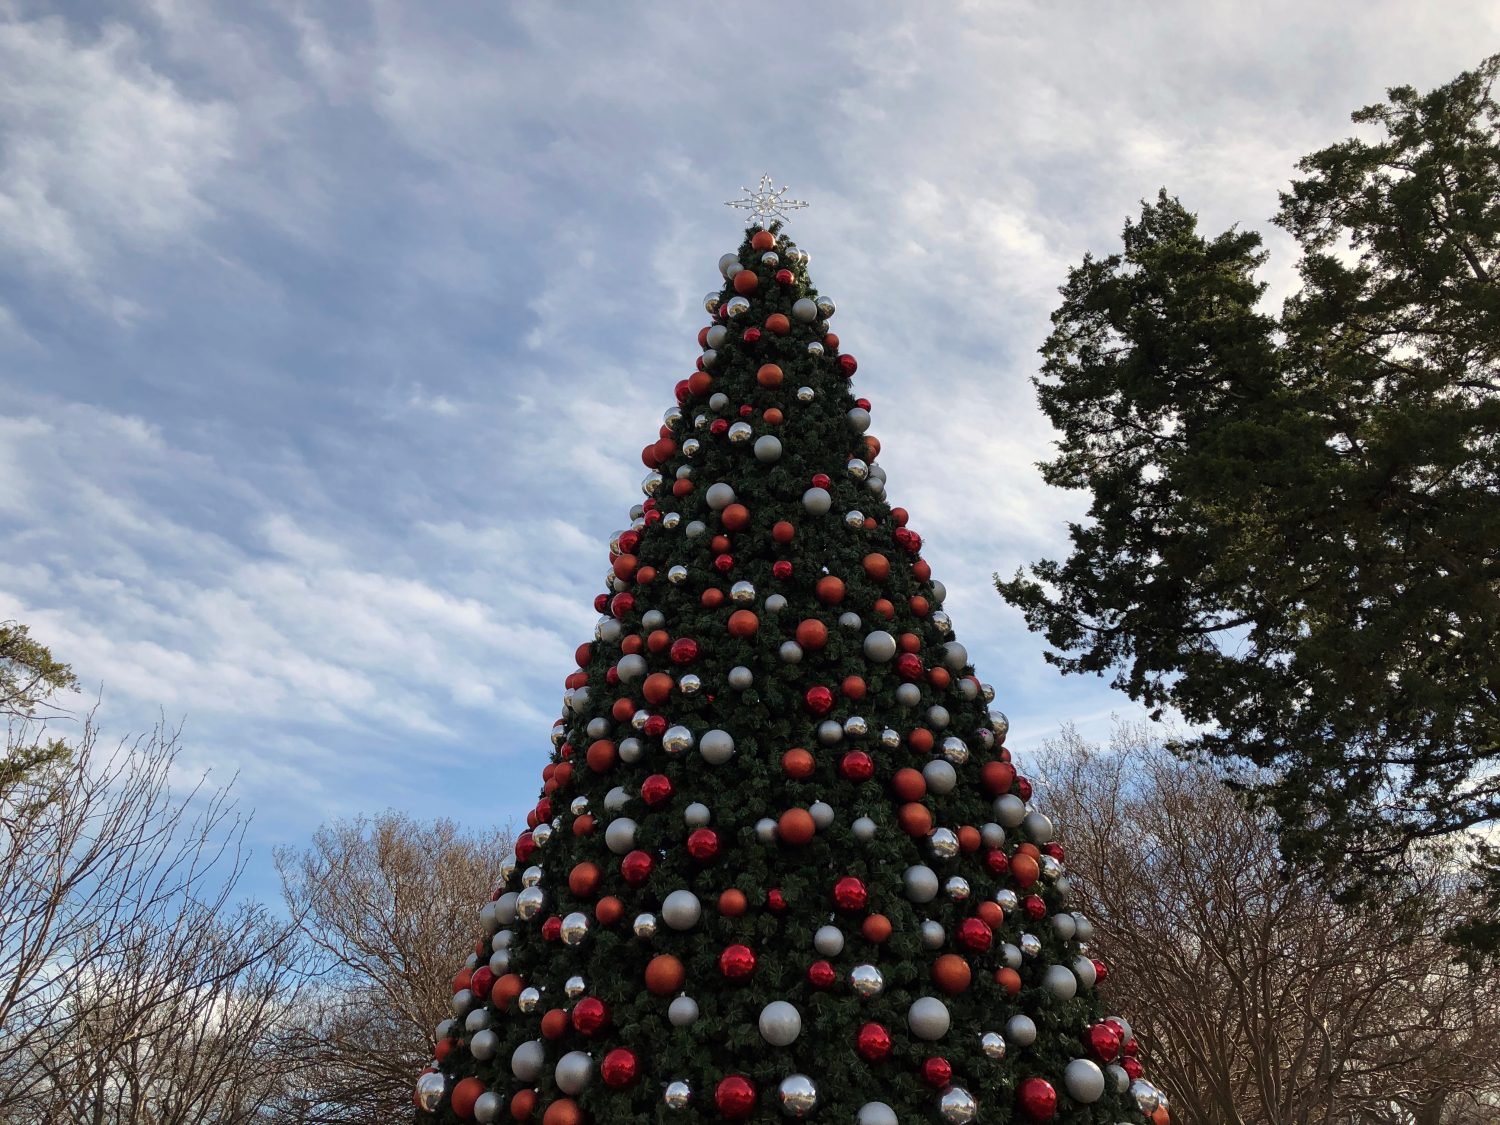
x=529, y=903
x=681, y=910
x=1007, y=899
x=920, y=883
x=938, y=717
x=651, y=484
x=1011, y=955
x=768, y=449
x=992, y=1043
x=697, y=815
x=943, y=843
x=850, y=620
x=987, y=692
x=928, y=1018
x=445, y=1028
x=829, y=941
x=1038, y=827
x=876, y=1113
x=1061, y=982
x=488, y=1108
x=1051, y=868
x=1031, y=945
x=740, y=677
x=677, y=1095
x=1084, y=1081
x=709, y=357
x=941, y=621
x=790, y=652
x=957, y=888
x=716, y=746
x=1146, y=1096
x=574, y=987
x=957, y=1106
x=726, y=263
x=859, y=419
x=505, y=907
x=854, y=520
x=694, y=529
x=677, y=739
x=487, y=917
x=526, y=1060
x=806, y=394
x=1064, y=926
x=677, y=575
x=737, y=307
x=798, y=1095
x=575, y=927
x=803, y=309
x=616, y=799
x=483, y=1044
x=1118, y=1076
x=940, y=775
x=864, y=829
x=740, y=432
x=765, y=830
x=619, y=835
x=717, y=336
x=742, y=593
x=955, y=750
x=770, y=258
x=477, y=1020
x=719, y=496
x=879, y=646
x=822, y=811
x=826, y=307
x=856, y=726
x=816, y=501
x=711, y=302
x=857, y=469
x=908, y=695
x=608, y=630
x=528, y=1000
x=644, y=926
x=890, y=739
x=1009, y=810
x=867, y=981
x=775, y=603
x=1082, y=926
x=573, y=1072
x=541, y=834
x=780, y=1023
x=830, y=732
x=955, y=656
x=1020, y=1030
x=689, y=684
x=430, y=1090
x=815, y=347
x=932, y=934
x=682, y=1012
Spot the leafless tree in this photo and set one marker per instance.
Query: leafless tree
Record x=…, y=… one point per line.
x=391, y=906
x=1259, y=1000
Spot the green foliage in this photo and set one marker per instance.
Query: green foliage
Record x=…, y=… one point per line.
x=29, y=679
x=1295, y=529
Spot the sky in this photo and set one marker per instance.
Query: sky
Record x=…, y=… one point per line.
x=330, y=332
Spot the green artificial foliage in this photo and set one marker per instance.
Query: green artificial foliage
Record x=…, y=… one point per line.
x=1294, y=536
x=820, y=432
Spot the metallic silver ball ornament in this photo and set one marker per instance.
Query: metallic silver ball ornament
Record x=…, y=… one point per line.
x=815, y=347
x=742, y=593
x=740, y=432
x=992, y=1043
x=1084, y=1081
x=711, y=303
x=780, y=1023
x=1064, y=926
x=932, y=934
x=955, y=750
x=1020, y=1030
x=529, y=903
x=1031, y=945
x=908, y=695
x=575, y=927
x=716, y=746
x=804, y=309
x=528, y=1000
x=1038, y=827
x=716, y=337
x=829, y=941
x=737, y=307
x=505, y=907
x=573, y=1072
x=857, y=468
x=770, y=258
x=676, y=740
x=488, y=1108
x=890, y=739
x=574, y=987
x=957, y=888
x=957, y=1106
x=920, y=883
x=798, y=1095
x=1118, y=1077
x=689, y=684
x=677, y=1095
x=727, y=262
x=941, y=621
x=483, y=1044
x=790, y=652
x=806, y=394
x=943, y=843
x=928, y=1018
x=1147, y=1097
x=826, y=307
x=938, y=717
x=697, y=814
x=854, y=519
x=864, y=829
x=830, y=732
x=430, y=1090
x=858, y=418
x=940, y=776
x=616, y=799
x=775, y=603
x=526, y=1061
x=767, y=449
x=681, y=910
x=876, y=1113
x=531, y=876
x=816, y=501
x=856, y=726
x=677, y=575
x=578, y=805
x=1061, y=982
x=765, y=830
x=867, y=981
x=1051, y=869
x=850, y=620
x=879, y=646
x=651, y=484
x=710, y=357
x=1007, y=899
x=619, y=835
x=1011, y=955
x=644, y=926
x=630, y=749
x=1082, y=926
x=682, y=1012
x=822, y=814
x=719, y=496
x=740, y=677
x=1009, y=810
x=671, y=520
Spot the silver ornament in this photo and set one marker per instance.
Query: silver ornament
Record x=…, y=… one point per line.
x=822, y=811
x=477, y=1020
x=815, y=347
x=920, y=883
x=619, y=835
x=616, y=799
x=1146, y=1096
x=431, y=1087
x=573, y=1072
x=1061, y=982
x=445, y=1028
x=677, y=1095
x=717, y=336
x=858, y=418
x=941, y=621
x=716, y=746
x=737, y=307
x=890, y=739
x=574, y=987
x=957, y=1106
x=803, y=309
x=1020, y=1030
x=1051, y=869
x=1007, y=899
x=483, y=1044
x=742, y=593
x=1009, y=810
x=740, y=677
x=957, y=888
x=943, y=843
x=780, y=1023
x=608, y=630
x=856, y=726
x=672, y=519
x=1038, y=827
x=677, y=575
x=526, y=1061
x=955, y=750
x=829, y=941
x=1031, y=945
x=955, y=656
x=575, y=927
x=775, y=603
x=689, y=684
x=1119, y=1076
x=529, y=903
x=528, y=1000
x=825, y=307
x=1064, y=926
x=768, y=449
x=864, y=829
x=505, y=907
x=681, y=910
x=676, y=740
x=728, y=262
x=690, y=448
x=798, y=1095
x=992, y=1043
x=682, y=1012
x=879, y=646
x=651, y=484
x=940, y=776
x=770, y=258
x=876, y=1113
x=830, y=732
x=487, y=917
x=644, y=926
x=488, y=1108
x=790, y=652
x=719, y=496
x=850, y=620
x=709, y=357
x=938, y=717
x=696, y=815
x=1011, y=955
x=1084, y=1081
x=908, y=695
x=711, y=302
x=867, y=981
x=765, y=830
x=932, y=934
x=928, y=1018
x=857, y=469
x=816, y=501
x=855, y=520
x=806, y=394
x=740, y=432
x=987, y=692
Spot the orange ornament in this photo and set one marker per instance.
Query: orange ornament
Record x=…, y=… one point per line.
x=698, y=383
x=939, y=678
x=733, y=903
x=1028, y=848
x=772, y=415
x=719, y=543
x=778, y=325
x=872, y=447
x=797, y=763
x=830, y=589
x=783, y=531
x=504, y=990
x=920, y=740
x=1161, y=1116
x=632, y=644
x=918, y=605
x=623, y=709
x=921, y=571
x=1008, y=979
x=464, y=1095
x=664, y=975
x=523, y=1104
x=583, y=880
x=969, y=838
x=745, y=282
x=853, y=687
x=908, y=642
x=831, y=340
x=796, y=827
x=609, y=910
x=564, y=1111
x=712, y=598
x=909, y=784
x=883, y=607
x=657, y=687
x=990, y=914
x=743, y=623
x=762, y=240
x=583, y=825
x=951, y=973
x=645, y=575
x=555, y=1024
x=769, y=375
x=461, y=979
x=877, y=567
x=1024, y=869
x=601, y=755
x=876, y=928
x=735, y=517
x=659, y=641
x=915, y=819
x=812, y=633
x=682, y=487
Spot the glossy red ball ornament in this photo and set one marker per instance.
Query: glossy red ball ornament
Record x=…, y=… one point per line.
x=464, y=1095
x=682, y=391
x=937, y=1072
x=525, y=847
x=1104, y=1041
x=737, y=962
x=735, y=1096
x=974, y=934
x=590, y=1016
x=1132, y=1067
x=849, y=893
x=776, y=901
x=820, y=480
x=1034, y=907
x=821, y=974
x=719, y=427
x=655, y=726
x=784, y=277
x=482, y=981
x=996, y=862
x=1023, y=788
x=848, y=365
x=1131, y=1046
x=621, y=604
x=684, y=650
x=552, y=928
x=620, y=1068
x=1101, y=971
x=873, y=1042
x=636, y=867
x=703, y=844
x=857, y=766
x=1054, y=849
x=657, y=790
x=819, y=699
x=751, y=336
x=601, y=603
x=781, y=568
x=1038, y=1099
x=909, y=667
x=724, y=563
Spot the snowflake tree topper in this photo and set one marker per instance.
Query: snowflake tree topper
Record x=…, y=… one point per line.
x=766, y=203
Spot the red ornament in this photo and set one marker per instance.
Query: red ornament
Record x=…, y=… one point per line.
x=719, y=427
x=1104, y=1041
x=636, y=867
x=909, y=667
x=482, y=981
x=849, y=893
x=464, y=1095
x=684, y=650
x=552, y=928
x=1131, y=1045
x=1054, y=849
x=751, y=335
x=864, y=404
x=682, y=391
x=1038, y=1099
x=784, y=277
x=601, y=603
x=629, y=541
x=1034, y=907
x=820, y=974
x=848, y=365
x=820, y=480
x=656, y=790
x=776, y=901
x=620, y=1068
x=781, y=568
x=737, y=962
x=873, y=1042
x=857, y=766
x=703, y=844
x=974, y=934
x=735, y=1096
x=724, y=563
x=621, y=604
x=1023, y=789
x=819, y=699
x=937, y=1072
x=1101, y=971
x=590, y=1016
x=525, y=847
x=1132, y=1067
x=996, y=862
x=655, y=726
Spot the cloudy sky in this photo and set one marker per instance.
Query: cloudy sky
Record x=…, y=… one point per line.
x=330, y=332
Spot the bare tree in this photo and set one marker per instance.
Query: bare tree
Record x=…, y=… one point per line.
x=1260, y=1000
x=391, y=905
x=133, y=989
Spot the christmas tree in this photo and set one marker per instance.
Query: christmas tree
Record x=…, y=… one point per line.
x=781, y=864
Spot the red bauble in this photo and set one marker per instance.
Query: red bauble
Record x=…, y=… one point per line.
x=784, y=277
x=719, y=427
x=873, y=1042
x=849, y=893
x=937, y=1072
x=737, y=962
x=820, y=480
x=997, y=776
x=1103, y=1041
x=735, y=1096
x=552, y=928
x=909, y=667
x=819, y=699
x=1034, y=907
x=776, y=901
x=752, y=335
x=590, y=1016
x=1038, y=1099
x=601, y=603
x=745, y=282
x=525, y=847
x=1054, y=849
x=782, y=569
x=996, y=862
x=482, y=981
x=857, y=766
x=974, y=934
x=636, y=867
x=684, y=650
x=820, y=974
x=724, y=563
x=1101, y=971
x=655, y=727
x=1132, y=1067
x=656, y=790
x=620, y=1068
x=464, y=1095
x=1131, y=1045
x=621, y=604
x=1023, y=789
x=703, y=844
x=848, y=365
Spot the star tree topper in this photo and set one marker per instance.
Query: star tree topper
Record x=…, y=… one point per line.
x=766, y=203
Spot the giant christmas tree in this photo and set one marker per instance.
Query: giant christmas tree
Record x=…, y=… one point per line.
x=781, y=864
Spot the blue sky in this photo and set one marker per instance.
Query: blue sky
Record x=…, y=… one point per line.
x=330, y=333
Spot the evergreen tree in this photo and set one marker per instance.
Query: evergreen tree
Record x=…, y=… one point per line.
x=30, y=678
x=1295, y=530
x=782, y=864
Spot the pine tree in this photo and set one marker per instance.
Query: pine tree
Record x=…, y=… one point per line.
x=782, y=864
